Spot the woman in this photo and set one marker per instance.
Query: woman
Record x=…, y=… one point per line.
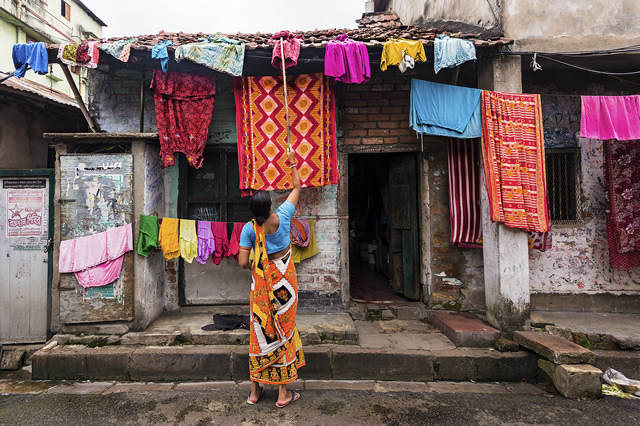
x=275, y=350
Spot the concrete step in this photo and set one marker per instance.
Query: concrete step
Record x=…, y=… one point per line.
x=464, y=329
x=324, y=362
x=554, y=348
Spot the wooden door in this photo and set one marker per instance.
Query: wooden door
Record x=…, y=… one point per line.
x=25, y=258
x=405, y=246
x=96, y=193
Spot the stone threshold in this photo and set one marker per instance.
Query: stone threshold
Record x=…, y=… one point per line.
x=324, y=362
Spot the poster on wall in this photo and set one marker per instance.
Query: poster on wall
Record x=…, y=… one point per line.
x=25, y=210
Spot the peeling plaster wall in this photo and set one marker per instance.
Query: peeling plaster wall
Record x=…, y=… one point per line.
x=578, y=262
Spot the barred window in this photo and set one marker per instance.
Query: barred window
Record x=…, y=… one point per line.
x=563, y=186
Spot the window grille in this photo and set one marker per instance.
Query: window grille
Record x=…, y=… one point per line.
x=563, y=186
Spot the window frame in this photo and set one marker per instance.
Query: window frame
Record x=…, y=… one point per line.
x=574, y=216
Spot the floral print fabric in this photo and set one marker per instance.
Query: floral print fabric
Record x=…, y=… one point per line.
x=184, y=106
x=622, y=181
x=119, y=49
x=217, y=52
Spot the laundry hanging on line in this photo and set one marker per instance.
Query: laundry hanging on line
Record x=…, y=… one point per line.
x=32, y=55
x=610, y=117
x=402, y=53
x=444, y=110
x=621, y=176
x=121, y=49
x=147, y=235
x=347, y=60
x=96, y=260
x=450, y=52
x=160, y=52
x=218, y=52
x=184, y=108
x=290, y=45
x=80, y=55
x=188, y=240
x=262, y=134
x=514, y=161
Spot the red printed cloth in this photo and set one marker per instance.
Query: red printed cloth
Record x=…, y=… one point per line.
x=622, y=184
x=513, y=159
x=184, y=106
x=464, y=192
x=262, y=131
x=291, y=46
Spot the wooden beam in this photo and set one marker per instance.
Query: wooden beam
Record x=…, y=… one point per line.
x=142, y=99
x=76, y=94
x=98, y=137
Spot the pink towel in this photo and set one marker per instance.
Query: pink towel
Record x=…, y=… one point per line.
x=610, y=117
x=96, y=259
x=219, y=231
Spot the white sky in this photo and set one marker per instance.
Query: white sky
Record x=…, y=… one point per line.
x=138, y=17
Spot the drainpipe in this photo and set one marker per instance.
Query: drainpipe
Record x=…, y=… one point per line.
x=19, y=16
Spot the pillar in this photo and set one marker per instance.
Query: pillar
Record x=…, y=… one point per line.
x=505, y=250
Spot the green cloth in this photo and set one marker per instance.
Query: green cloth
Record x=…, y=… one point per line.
x=217, y=52
x=147, y=235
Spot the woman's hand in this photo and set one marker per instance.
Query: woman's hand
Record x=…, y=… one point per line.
x=291, y=155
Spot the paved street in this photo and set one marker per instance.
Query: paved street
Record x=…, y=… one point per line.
x=365, y=403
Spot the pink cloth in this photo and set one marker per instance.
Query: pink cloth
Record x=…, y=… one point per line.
x=206, y=242
x=347, y=60
x=96, y=259
x=85, y=252
x=610, y=117
x=219, y=231
x=100, y=275
x=292, y=44
x=234, y=242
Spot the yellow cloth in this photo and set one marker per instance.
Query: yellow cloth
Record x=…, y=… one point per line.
x=393, y=48
x=299, y=254
x=168, y=238
x=188, y=240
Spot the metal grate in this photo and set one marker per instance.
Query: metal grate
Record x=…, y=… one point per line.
x=563, y=186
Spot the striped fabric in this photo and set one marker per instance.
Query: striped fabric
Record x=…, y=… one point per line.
x=464, y=192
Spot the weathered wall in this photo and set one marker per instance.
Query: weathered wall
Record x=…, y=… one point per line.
x=459, y=15
x=552, y=26
x=21, y=128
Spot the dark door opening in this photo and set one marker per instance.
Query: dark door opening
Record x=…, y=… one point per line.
x=383, y=228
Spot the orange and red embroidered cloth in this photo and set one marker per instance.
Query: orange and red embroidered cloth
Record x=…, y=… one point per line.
x=262, y=131
x=513, y=160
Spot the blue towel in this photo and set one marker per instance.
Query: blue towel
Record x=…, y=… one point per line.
x=444, y=110
x=159, y=51
x=30, y=54
x=451, y=52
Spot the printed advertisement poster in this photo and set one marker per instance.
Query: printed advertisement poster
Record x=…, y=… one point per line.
x=25, y=210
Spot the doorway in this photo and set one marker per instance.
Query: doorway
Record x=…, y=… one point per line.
x=384, y=248
x=26, y=257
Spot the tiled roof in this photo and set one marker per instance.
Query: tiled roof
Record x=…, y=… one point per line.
x=38, y=89
x=373, y=29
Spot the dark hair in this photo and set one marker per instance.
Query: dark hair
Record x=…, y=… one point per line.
x=260, y=206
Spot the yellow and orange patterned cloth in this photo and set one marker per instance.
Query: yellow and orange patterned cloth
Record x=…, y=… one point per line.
x=262, y=131
x=275, y=349
x=513, y=160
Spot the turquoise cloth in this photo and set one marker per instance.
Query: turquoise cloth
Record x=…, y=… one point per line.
x=118, y=49
x=217, y=52
x=451, y=52
x=444, y=110
x=159, y=51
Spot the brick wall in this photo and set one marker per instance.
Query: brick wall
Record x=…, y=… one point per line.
x=377, y=113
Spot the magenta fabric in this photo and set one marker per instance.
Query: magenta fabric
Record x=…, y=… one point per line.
x=610, y=117
x=234, y=242
x=100, y=275
x=292, y=44
x=83, y=253
x=347, y=60
x=206, y=242
x=219, y=231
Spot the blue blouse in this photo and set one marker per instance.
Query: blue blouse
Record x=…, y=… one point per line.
x=277, y=241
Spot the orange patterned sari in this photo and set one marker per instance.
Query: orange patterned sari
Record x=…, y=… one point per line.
x=275, y=349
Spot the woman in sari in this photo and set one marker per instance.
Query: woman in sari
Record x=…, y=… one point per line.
x=275, y=350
